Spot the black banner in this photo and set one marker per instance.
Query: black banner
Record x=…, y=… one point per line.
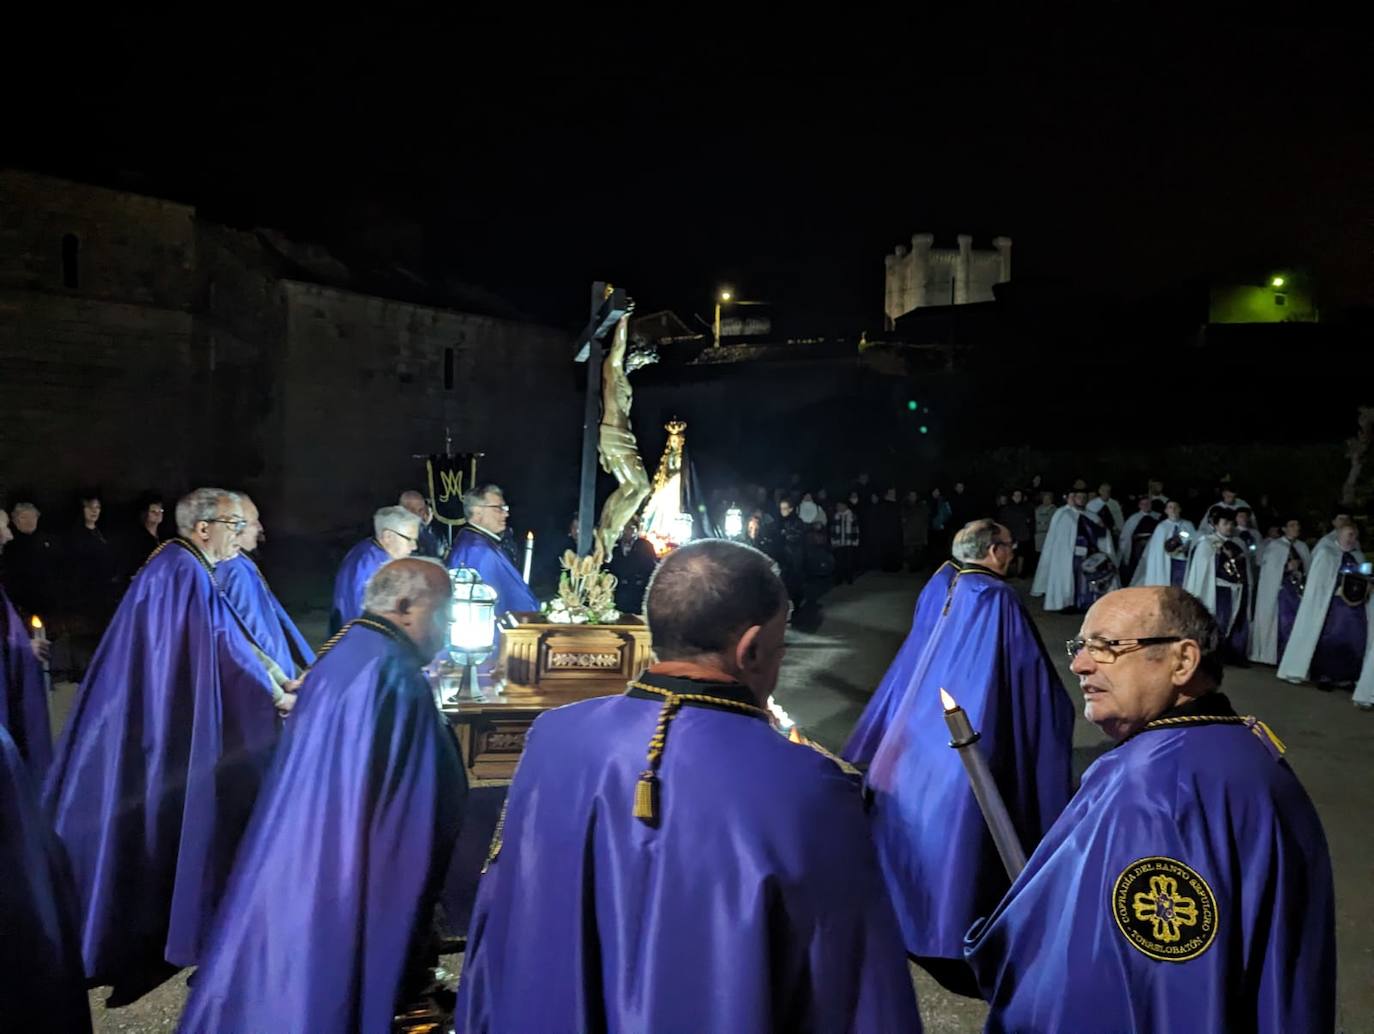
x=448, y=478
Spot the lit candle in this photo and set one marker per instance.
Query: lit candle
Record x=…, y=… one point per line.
x=529, y=554
x=40, y=635
x=964, y=739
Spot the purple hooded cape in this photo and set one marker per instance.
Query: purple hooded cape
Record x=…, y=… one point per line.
x=42, y=986
x=482, y=553
x=335, y=883
x=752, y=903
x=891, y=691
x=941, y=866
x=359, y=564
x=1186, y=887
x=157, y=769
x=263, y=615
x=24, y=703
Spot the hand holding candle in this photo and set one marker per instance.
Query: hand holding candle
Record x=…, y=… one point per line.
x=964, y=739
x=529, y=554
x=40, y=646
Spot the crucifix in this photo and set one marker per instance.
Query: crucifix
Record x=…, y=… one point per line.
x=608, y=305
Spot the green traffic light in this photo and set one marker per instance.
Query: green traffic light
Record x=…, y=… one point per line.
x=911, y=405
x=925, y=429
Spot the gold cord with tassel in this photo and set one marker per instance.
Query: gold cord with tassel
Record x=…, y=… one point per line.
x=646, y=787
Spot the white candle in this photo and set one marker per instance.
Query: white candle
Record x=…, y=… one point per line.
x=529, y=554
x=994, y=809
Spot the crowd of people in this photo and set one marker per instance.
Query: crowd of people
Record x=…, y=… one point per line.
x=283, y=817
x=71, y=570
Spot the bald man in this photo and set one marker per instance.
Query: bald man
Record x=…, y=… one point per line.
x=352, y=834
x=257, y=606
x=1188, y=883
x=429, y=544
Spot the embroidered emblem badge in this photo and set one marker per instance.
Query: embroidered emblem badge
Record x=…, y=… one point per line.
x=1165, y=909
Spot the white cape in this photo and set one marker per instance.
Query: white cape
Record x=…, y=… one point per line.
x=1154, y=569
x=1204, y=526
x=1316, y=597
x=1201, y=579
x=1095, y=505
x=1264, y=640
x=1123, y=549
x=1054, y=576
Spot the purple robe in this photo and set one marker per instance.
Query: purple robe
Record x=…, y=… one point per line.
x=868, y=733
x=24, y=703
x=263, y=615
x=332, y=892
x=359, y=564
x=1233, y=608
x=753, y=903
x=1088, y=532
x=156, y=772
x=1339, y=653
x=1178, y=571
x=941, y=866
x=482, y=553
x=42, y=986
x=1290, y=599
x=1187, y=887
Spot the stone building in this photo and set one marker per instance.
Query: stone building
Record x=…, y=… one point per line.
x=145, y=347
x=927, y=275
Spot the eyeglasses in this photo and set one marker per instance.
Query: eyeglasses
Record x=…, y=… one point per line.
x=1005, y=545
x=238, y=522
x=403, y=535
x=1105, y=651
x=503, y=507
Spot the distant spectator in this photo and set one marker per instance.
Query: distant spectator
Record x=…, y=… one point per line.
x=915, y=530
x=888, y=523
x=144, y=537
x=1044, y=513
x=1018, y=518
x=941, y=526
x=31, y=564
x=844, y=542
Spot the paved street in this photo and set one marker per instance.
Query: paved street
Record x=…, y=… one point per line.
x=826, y=682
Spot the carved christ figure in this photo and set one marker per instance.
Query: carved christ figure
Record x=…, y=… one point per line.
x=616, y=442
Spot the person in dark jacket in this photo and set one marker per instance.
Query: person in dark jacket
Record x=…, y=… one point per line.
x=1017, y=516
x=888, y=522
x=789, y=550
x=632, y=562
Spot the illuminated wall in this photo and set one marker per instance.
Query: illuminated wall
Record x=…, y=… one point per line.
x=1248, y=303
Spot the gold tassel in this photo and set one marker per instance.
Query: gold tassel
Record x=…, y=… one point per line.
x=646, y=797
x=1278, y=743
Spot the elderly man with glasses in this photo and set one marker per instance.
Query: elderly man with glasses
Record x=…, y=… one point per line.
x=395, y=535
x=478, y=546
x=1188, y=885
x=158, y=768
x=938, y=859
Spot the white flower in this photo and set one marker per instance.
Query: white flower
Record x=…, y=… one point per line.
x=560, y=617
x=579, y=619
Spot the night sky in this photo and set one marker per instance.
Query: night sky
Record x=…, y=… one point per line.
x=787, y=162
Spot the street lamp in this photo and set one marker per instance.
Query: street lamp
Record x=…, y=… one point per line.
x=734, y=523
x=1277, y=281
x=722, y=298
x=473, y=610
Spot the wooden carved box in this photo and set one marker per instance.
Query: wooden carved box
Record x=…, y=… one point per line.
x=540, y=655
x=541, y=665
